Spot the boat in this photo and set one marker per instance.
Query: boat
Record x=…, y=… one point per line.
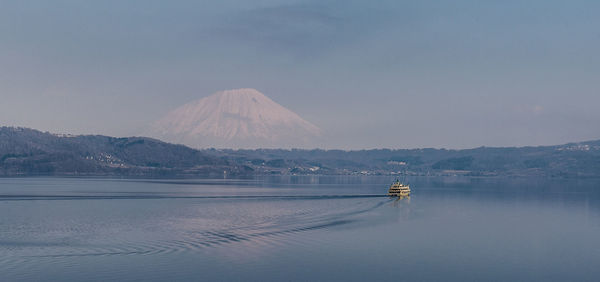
x=398, y=189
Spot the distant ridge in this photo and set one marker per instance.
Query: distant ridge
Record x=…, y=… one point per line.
x=25, y=152
x=239, y=118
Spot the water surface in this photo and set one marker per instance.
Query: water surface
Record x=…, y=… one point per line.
x=299, y=229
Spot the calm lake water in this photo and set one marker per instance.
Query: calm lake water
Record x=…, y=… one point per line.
x=299, y=229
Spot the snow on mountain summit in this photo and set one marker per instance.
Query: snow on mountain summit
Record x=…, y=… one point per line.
x=239, y=118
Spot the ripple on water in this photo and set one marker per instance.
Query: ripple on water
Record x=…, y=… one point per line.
x=262, y=221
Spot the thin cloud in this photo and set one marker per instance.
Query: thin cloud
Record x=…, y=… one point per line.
x=299, y=30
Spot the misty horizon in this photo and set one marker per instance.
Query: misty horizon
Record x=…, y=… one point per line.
x=370, y=75
x=305, y=148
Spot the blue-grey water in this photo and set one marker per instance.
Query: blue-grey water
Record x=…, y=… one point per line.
x=299, y=229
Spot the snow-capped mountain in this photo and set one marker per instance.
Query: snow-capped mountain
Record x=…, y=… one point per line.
x=239, y=118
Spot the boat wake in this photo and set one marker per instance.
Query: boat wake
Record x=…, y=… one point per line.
x=19, y=197
x=211, y=222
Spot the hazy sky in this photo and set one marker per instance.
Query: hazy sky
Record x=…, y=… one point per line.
x=397, y=74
